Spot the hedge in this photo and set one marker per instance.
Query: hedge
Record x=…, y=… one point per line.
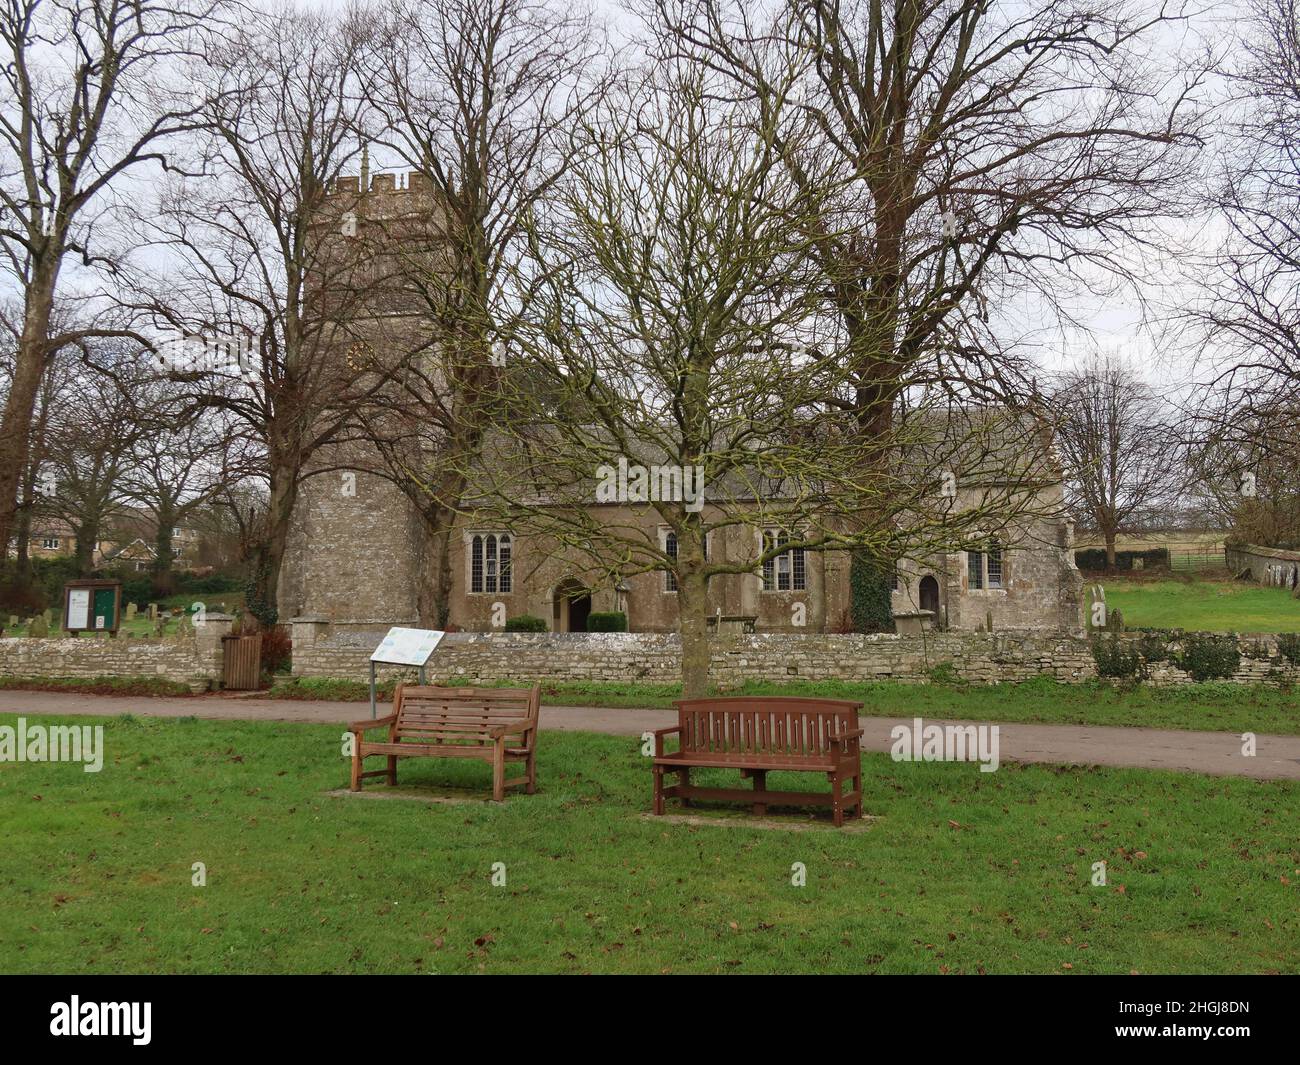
x=525, y=623
x=607, y=621
x=1094, y=558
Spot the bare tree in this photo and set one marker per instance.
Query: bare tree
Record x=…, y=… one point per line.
x=1246, y=319
x=257, y=273
x=983, y=151
x=474, y=98
x=81, y=107
x=1122, y=456
x=673, y=344
x=90, y=441
x=179, y=465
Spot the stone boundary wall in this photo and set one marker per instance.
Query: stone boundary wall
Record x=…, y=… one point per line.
x=193, y=660
x=979, y=658
x=1269, y=566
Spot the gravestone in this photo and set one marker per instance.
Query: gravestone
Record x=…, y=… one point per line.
x=39, y=627
x=153, y=611
x=131, y=611
x=48, y=615
x=13, y=621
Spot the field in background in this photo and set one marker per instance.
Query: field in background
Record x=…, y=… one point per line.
x=1202, y=605
x=1188, y=551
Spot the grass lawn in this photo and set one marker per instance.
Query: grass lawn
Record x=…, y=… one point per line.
x=964, y=872
x=1200, y=707
x=1206, y=606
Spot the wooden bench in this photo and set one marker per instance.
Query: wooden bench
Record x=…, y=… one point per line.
x=757, y=735
x=494, y=725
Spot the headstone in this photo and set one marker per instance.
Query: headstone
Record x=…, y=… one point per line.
x=131, y=611
x=48, y=615
x=39, y=627
x=13, y=621
x=153, y=611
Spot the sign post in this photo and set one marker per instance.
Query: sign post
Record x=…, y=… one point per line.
x=403, y=647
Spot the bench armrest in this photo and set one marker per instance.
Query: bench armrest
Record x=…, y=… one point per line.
x=369, y=723
x=522, y=727
x=659, y=735
x=853, y=735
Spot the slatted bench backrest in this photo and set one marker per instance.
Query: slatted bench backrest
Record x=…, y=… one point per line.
x=797, y=728
x=431, y=714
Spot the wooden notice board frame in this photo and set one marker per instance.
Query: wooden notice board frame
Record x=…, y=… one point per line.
x=97, y=597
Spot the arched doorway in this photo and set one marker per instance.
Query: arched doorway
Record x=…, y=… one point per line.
x=570, y=606
x=930, y=596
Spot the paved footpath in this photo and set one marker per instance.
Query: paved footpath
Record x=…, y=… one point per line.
x=1215, y=753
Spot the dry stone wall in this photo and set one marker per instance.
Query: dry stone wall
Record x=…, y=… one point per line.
x=978, y=658
x=185, y=660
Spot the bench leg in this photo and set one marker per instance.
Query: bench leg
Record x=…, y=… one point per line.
x=531, y=765
x=657, y=805
x=857, y=786
x=356, y=766
x=684, y=781
x=760, y=786
x=837, y=799
x=499, y=771
x=392, y=770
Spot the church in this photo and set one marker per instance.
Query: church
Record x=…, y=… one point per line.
x=356, y=556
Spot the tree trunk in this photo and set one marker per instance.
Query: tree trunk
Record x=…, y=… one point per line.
x=433, y=595
x=162, y=545
x=693, y=612
x=22, y=574
x=29, y=366
x=87, y=539
x=261, y=605
x=1110, y=551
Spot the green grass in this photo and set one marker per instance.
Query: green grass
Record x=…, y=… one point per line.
x=1201, y=707
x=964, y=872
x=1205, y=606
x=142, y=685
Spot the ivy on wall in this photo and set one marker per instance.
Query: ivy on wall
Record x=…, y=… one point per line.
x=870, y=584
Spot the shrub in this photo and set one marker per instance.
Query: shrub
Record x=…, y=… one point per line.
x=277, y=650
x=212, y=584
x=1153, y=647
x=1115, y=657
x=1207, y=656
x=607, y=621
x=525, y=623
x=1288, y=646
x=945, y=673
x=20, y=599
